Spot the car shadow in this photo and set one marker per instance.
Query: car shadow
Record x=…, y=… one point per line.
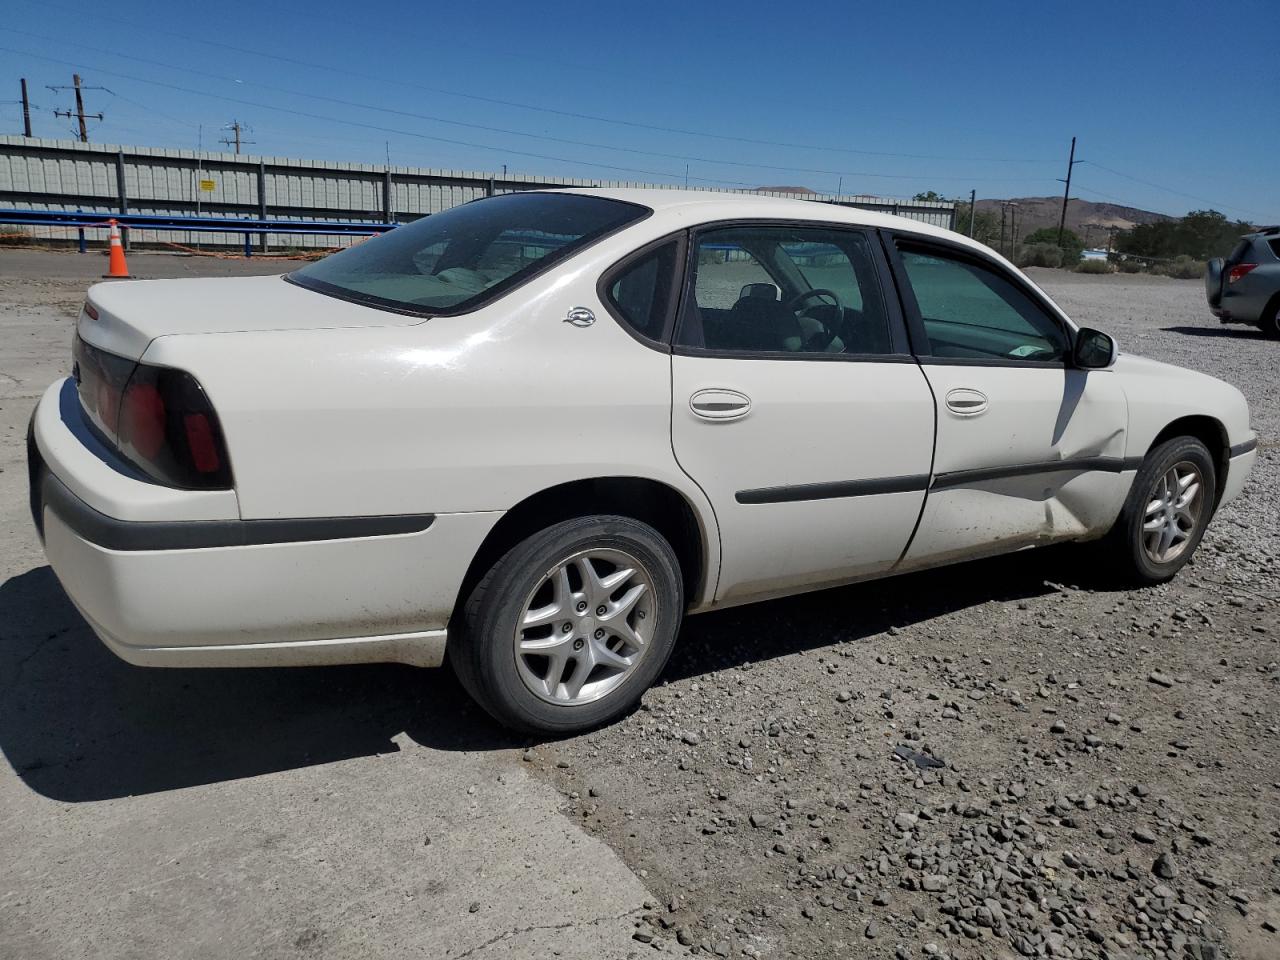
x=762, y=631
x=1235, y=333
x=78, y=724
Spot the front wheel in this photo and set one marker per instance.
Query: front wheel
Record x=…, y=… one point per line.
x=1166, y=512
x=571, y=626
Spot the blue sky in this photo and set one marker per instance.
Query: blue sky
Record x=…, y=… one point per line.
x=1173, y=104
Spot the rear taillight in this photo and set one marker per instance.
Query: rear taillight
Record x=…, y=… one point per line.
x=159, y=418
x=142, y=420
x=101, y=379
x=1239, y=270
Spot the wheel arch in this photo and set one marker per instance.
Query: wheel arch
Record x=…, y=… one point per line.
x=689, y=530
x=1209, y=431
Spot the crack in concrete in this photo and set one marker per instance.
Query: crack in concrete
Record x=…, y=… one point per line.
x=508, y=934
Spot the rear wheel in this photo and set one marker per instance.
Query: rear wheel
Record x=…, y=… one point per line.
x=1270, y=321
x=1166, y=512
x=571, y=626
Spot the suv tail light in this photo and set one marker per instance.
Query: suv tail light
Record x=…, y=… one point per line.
x=158, y=418
x=1238, y=270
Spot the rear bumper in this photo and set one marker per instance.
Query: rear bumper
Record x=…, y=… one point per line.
x=231, y=592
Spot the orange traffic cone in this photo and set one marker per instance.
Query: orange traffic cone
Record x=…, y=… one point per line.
x=117, y=268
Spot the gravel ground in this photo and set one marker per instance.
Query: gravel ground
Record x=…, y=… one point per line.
x=1004, y=758
x=1001, y=759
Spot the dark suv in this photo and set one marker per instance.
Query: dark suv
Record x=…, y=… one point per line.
x=1245, y=288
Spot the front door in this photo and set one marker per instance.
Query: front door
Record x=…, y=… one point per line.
x=797, y=407
x=1029, y=449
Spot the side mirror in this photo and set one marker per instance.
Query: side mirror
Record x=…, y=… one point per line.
x=1093, y=350
x=760, y=291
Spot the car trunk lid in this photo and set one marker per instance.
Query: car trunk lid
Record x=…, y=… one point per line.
x=129, y=315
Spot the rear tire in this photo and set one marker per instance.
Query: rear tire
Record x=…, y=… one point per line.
x=1166, y=513
x=1270, y=322
x=571, y=626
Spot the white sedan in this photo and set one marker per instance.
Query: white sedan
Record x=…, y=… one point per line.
x=534, y=431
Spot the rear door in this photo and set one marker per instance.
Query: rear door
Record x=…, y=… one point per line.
x=1029, y=449
x=797, y=407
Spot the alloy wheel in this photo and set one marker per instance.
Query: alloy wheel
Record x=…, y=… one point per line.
x=1173, y=511
x=585, y=626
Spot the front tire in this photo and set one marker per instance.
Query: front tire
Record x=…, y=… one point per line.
x=1166, y=512
x=570, y=627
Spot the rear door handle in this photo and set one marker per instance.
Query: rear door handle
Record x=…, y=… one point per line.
x=966, y=402
x=716, y=403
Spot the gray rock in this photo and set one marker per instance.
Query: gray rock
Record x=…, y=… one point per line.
x=1164, y=867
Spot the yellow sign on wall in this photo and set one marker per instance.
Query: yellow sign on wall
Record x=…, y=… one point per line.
x=207, y=185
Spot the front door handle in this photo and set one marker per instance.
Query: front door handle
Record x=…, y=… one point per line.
x=720, y=404
x=966, y=402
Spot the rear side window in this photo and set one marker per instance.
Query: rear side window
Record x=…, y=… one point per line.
x=456, y=261
x=1275, y=247
x=641, y=292
x=1240, y=252
x=971, y=311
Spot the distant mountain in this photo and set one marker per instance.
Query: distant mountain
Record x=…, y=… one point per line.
x=1083, y=216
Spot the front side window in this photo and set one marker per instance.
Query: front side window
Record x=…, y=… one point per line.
x=454, y=261
x=974, y=312
x=785, y=290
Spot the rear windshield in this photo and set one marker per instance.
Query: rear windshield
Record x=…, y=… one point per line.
x=455, y=261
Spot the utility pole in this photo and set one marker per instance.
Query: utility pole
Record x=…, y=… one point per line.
x=973, y=210
x=79, y=114
x=1066, y=194
x=26, y=110
x=1004, y=209
x=236, y=128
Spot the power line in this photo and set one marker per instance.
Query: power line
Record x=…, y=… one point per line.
x=383, y=129
x=152, y=110
x=1148, y=183
x=540, y=109
x=686, y=158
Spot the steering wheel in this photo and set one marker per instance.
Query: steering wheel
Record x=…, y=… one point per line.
x=824, y=337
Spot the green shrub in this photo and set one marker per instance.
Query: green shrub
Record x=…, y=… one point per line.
x=1093, y=266
x=1039, y=255
x=1130, y=266
x=1183, y=268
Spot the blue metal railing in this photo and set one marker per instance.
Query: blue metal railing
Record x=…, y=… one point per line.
x=79, y=220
